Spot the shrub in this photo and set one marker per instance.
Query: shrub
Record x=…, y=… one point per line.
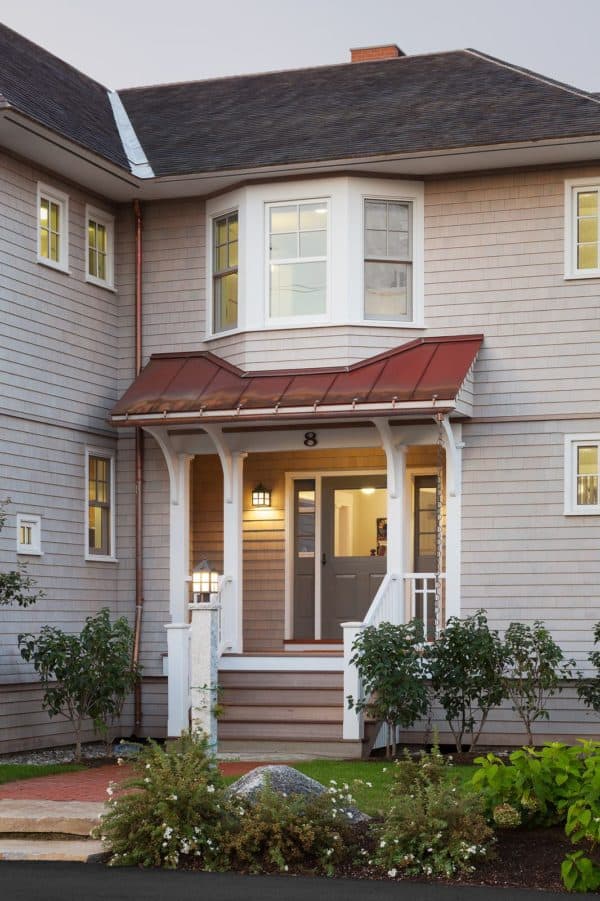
x=465, y=665
x=86, y=675
x=535, y=666
x=176, y=807
x=434, y=827
x=392, y=669
x=589, y=689
x=301, y=832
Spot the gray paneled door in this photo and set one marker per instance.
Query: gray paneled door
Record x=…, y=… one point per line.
x=354, y=544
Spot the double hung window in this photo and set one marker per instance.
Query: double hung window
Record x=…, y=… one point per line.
x=52, y=233
x=388, y=261
x=99, y=248
x=582, y=232
x=582, y=474
x=297, y=259
x=100, y=505
x=225, y=272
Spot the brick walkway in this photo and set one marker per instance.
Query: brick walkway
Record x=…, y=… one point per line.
x=91, y=784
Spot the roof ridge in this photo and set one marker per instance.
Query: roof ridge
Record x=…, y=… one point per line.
x=535, y=76
x=220, y=78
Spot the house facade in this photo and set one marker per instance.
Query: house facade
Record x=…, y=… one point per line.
x=334, y=331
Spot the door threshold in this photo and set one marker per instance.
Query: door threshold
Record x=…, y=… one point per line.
x=313, y=647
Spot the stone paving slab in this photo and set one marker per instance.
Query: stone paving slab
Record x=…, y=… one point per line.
x=22, y=849
x=65, y=817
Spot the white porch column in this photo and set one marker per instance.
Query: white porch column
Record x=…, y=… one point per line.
x=178, y=630
x=353, y=724
x=233, y=508
x=204, y=663
x=395, y=454
x=453, y=445
x=232, y=463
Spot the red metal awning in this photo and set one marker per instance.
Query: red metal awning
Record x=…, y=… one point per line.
x=417, y=377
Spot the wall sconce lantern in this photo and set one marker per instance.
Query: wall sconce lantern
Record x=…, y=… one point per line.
x=205, y=581
x=261, y=496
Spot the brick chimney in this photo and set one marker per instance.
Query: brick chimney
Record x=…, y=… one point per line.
x=368, y=54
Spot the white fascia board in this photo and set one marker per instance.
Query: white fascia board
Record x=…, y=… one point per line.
x=137, y=159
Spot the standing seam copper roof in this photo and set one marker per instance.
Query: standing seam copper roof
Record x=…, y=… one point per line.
x=201, y=382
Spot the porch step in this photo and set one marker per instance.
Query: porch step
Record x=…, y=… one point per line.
x=313, y=730
x=295, y=710
x=271, y=713
x=49, y=830
x=290, y=749
x=280, y=679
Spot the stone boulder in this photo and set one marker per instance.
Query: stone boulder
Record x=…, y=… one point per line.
x=284, y=780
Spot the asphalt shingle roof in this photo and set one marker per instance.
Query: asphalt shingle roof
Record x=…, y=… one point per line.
x=58, y=96
x=410, y=104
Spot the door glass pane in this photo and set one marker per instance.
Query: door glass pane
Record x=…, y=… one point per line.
x=360, y=522
x=305, y=523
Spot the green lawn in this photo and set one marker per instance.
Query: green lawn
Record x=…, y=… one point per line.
x=10, y=772
x=372, y=800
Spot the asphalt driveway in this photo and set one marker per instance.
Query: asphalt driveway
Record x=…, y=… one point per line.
x=25, y=881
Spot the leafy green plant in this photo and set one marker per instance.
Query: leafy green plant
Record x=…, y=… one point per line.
x=589, y=689
x=16, y=586
x=302, y=833
x=174, y=806
x=537, y=784
x=86, y=675
x=392, y=669
x=465, y=666
x=435, y=826
x=534, y=669
x=558, y=784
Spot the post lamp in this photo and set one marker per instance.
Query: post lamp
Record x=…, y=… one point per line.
x=205, y=581
x=261, y=496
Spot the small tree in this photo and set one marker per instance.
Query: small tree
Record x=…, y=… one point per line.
x=16, y=586
x=534, y=667
x=465, y=665
x=86, y=675
x=589, y=689
x=391, y=666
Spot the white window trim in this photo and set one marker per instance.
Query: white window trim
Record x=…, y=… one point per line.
x=108, y=455
x=108, y=221
x=35, y=548
x=296, y=321
x=572, y=442
x=345, y=270
x=216, y=213
x=572, y=187
x=62, y=200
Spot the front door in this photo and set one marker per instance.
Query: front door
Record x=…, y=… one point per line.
x=353, y=548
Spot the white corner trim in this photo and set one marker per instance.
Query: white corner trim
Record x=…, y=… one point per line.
x=138, y=161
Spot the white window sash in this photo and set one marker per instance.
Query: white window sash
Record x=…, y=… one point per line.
x=100, y=217
x=61, y=200
x=111, y=557
x=572, y=444
x=574, y=187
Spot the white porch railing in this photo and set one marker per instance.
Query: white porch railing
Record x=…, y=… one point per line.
x=399, y=599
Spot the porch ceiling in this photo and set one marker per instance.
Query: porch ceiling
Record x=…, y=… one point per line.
x=420, y=376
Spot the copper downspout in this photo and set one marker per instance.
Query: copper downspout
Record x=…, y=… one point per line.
x=139, y=473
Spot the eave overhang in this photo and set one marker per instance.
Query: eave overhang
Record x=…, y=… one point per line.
x=417, y=379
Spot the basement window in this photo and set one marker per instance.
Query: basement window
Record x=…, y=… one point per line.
x=29, y=534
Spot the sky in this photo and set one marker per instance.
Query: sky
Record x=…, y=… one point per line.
x=123, y=43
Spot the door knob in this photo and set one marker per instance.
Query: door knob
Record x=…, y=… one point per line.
x=323, y=558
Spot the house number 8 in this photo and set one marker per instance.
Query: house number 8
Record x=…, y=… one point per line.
x=310, y=439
